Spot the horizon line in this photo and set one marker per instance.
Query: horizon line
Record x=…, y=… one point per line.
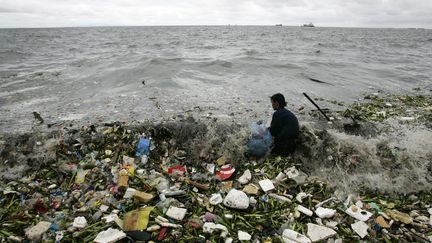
x=275, y=25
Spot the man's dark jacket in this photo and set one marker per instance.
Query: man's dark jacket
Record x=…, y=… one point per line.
x=284, y=126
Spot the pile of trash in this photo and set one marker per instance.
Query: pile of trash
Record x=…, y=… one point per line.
x=120, y=183
x=183, y=181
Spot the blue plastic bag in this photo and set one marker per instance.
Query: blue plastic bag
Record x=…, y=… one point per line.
x=143, y=147
x=260, y=141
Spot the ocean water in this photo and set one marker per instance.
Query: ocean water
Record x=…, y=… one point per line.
x=223, y=72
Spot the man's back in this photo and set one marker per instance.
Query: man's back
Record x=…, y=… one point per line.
x=284, y=125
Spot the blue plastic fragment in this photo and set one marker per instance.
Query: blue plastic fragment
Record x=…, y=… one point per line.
x=143, y=147
x=377, y=228
x=55, y=227
x=78, y=155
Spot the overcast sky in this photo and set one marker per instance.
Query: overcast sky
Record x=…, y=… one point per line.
x=344, y=13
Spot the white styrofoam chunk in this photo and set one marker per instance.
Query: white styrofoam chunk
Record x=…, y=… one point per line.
x=266, y=185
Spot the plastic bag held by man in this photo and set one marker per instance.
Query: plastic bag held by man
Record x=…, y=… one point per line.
x=260, y=141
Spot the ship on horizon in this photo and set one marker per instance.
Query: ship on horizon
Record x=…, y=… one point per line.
x=308, y=25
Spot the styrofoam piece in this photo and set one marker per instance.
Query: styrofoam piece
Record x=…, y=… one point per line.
x=176, y=213
x=109, y=236
x=323, y=202
x=110, y=218
x=280, y=177
x=216, y=199
x=243, y=235
x=301, y=195
x=266, y=185
x=358, y=213
x=79, y=222
x=153, y=228
x=103, y=208
x=332, y=224
x=359, y=204
x=129, y=193
x=159, y=219
x=212, y=227
x=317, y=232
x=325, y=212
x=170, y=225
x=360, y=228
x=304, y=210
x=246, y=177
x=279, y=197
x=295, y=237
x=236, y=199
x=35, y=233
x=252, y=201
x=229, y=240
x=292, y=172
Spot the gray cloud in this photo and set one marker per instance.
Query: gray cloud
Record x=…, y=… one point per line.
x=356, y=13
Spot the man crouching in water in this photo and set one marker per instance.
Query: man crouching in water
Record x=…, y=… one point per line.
x=284, y=127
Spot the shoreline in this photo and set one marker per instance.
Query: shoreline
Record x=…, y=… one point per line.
x=370, y=163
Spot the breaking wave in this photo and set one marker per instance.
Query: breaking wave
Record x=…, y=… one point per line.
x=396, y=160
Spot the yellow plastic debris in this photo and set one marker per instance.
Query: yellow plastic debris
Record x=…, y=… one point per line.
x=137, y=219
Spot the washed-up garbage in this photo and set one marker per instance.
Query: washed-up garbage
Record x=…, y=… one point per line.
x=291, y=236
x=360, y=228
x=302, y=195
x=243, y=235
x=110, y=236
x=317, y=232
x=177, y=170
x=143, y=147
x=324, y=212
x=165, y=223
x=97, y=176
x=212, y=227
x=358, y=213
x=279, y=197
x=176, y=213
x=123, y=179
x=79, y=222
x=304, y=210
x=292, y=172
x=143, y=196
x=236, y=199
x=399, y=216
x=382, y=222
x=225, y=172
x=35, y=233
x=153, y=228
x=280, y=177
x=251, y=189
x=216, y=199
x=137, y=219
x=246, y=177
x=266, y=185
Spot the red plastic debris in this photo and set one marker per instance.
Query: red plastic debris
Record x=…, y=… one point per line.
x=40, y=206
x=55, y=203
x=193, y=225
x=162, y=234
x=225, y=172
x=178, y=169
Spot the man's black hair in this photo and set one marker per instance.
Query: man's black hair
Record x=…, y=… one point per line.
x=280, y=99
